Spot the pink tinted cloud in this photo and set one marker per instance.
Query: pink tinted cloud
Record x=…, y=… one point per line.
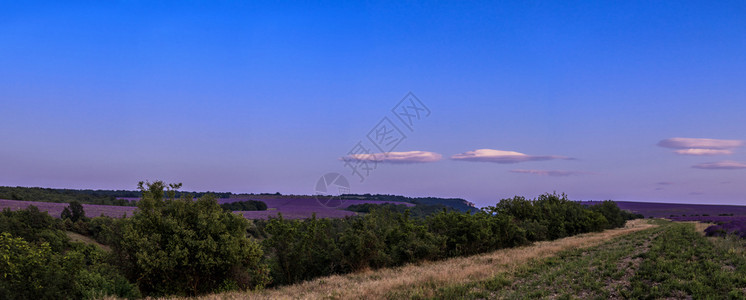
x=721, y=165
x=704, y=151
x=502, y=157
x=697, y=146
x=558, y=173
x=407, y=157
x=687, y=143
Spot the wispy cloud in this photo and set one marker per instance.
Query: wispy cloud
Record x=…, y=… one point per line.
x=407, y=157
x=721, y=165
x=558, y=173
x=502, y=157
x=696, y=146
x=661, y=184
x=704, y=151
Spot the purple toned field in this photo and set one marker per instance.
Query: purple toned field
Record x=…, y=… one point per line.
x=55, y=209
x=293, y=208
x=728, y=219
x=300, y=208
x=665, y=210
x=723, y=224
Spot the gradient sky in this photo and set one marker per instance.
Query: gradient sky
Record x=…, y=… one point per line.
x=239, y=97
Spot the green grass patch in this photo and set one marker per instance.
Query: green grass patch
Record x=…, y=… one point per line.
x=684, y=263
x=669, y=261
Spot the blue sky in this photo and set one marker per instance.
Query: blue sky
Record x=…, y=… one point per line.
x=238, y=97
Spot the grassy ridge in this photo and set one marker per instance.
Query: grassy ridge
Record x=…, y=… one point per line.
x=669, y=261
x=422, y=279
x=684, y=263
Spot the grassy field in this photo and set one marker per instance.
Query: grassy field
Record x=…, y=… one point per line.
x=673, y=261
x=644, y=260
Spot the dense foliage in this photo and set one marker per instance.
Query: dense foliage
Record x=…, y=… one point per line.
x=302, y=249
x=247, y=205
x=74, y=212
x=38, y=261
x=186, y=247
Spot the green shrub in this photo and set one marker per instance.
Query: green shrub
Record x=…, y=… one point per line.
x=186, y=247
x=34, y=226
x=31, y=271
x=301, y=249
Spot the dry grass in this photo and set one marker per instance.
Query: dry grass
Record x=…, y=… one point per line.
x=423, y=278
x=700, y=227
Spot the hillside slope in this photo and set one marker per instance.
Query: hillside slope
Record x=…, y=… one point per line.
x=422, y=280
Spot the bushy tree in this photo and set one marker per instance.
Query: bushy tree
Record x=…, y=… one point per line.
x=301, y=249
x=74, y=211
x=29, y=271
x=611, y=212
x=35, y=271
x=553, y=216
x=186, y=247
x=34, y=226
x=385, y=238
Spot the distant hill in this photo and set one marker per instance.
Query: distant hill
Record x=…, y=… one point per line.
x=455, y=203
x=101, y=197
x=297, y=206
x=667, y=210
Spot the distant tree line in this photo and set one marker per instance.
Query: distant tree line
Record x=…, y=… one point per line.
x=179, y=246
x=456, y=203
x=244, y=205
x=101, y=197
x=66, y=195
x=417, y=211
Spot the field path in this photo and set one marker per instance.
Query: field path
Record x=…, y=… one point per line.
x=424, y=278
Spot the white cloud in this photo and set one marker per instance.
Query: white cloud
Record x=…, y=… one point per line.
x=558, y=173
x=397, y=157
x=704, y=152
x=695, y=146
x=502, y=157
x=721, y=165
